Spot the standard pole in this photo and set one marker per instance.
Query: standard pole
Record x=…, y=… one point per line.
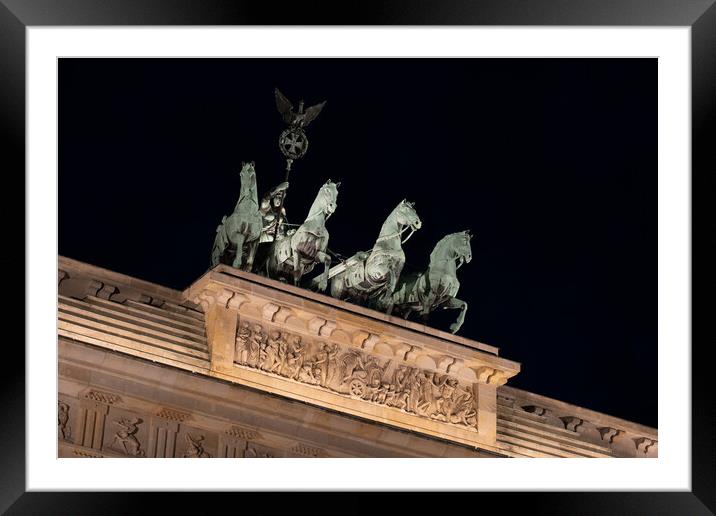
x=289, y=161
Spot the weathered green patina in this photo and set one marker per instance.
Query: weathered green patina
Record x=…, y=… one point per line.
x=238, y=234
x=369, y=278
x=437, y=287
x=296, y=255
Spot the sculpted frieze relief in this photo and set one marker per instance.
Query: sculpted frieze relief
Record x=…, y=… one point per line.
x=352, y=372
x=125, y=439
x=257, y=307
x=253, y=451
x=194, y=447
x=63, y=417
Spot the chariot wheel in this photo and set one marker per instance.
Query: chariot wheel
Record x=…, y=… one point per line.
x=357, y=388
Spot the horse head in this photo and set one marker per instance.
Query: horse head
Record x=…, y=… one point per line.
x=406, y=215
x=248, y=174
x=326, y=200
x=461, y=246
x=455, y=246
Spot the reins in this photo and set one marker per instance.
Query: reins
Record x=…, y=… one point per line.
x=398, y=234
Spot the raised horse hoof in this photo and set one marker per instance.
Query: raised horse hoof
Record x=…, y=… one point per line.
x=454, y=327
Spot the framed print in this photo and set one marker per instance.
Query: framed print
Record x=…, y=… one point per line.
x=260, y=220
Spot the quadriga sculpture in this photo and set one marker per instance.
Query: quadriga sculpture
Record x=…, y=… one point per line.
x=294, y=256
x=438, y=286
x=369, y=279
x=238, y=234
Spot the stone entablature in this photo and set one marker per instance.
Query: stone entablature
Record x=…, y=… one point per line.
x=306, y=346
x=168, y=412
x=309, y=347
x=565, y=430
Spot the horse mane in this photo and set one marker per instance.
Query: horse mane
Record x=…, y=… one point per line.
x=252, y=188
x=318, y=203
x=442, y=243
x=392, y=217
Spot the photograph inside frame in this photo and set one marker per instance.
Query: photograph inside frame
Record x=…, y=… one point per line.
x=358, y=257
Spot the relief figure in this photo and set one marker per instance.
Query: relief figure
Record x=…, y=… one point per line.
x=243, y=343
x=126, y=436
x=354, y=373
x=194, y=447
x=63, y=415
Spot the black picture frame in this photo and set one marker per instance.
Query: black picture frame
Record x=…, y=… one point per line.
x=700, y=15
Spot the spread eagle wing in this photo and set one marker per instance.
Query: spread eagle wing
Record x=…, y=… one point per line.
x=284, y=107
x=312, y=113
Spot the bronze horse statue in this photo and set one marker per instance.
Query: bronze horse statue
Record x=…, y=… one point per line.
x=438, y=286
x=296, y=255
x=369, y=278
x=238, y=234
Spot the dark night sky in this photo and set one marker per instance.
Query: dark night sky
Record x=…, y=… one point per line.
x=550, y=162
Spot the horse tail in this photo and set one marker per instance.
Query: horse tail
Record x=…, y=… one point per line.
x=220, y=242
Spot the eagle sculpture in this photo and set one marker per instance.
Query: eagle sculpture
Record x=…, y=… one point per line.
x=300, y=118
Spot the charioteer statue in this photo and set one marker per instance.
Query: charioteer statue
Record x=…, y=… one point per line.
x=273, y=214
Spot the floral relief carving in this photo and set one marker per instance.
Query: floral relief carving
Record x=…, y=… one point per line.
x=103, y=397
x=308, y=451
x=173, y=415
x=82, y=453
x=242, y=433
x=355, y=373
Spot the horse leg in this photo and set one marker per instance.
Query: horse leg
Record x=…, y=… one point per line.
x=337, y=287
x=427, y=302
x=297, y=269
x=462, y=305
x=425, y=311
x=387, y=299
x=252, y=254
x=239, y=250
x=219, y=246
x=389, y=308
x=326, y=260
x=215, y=254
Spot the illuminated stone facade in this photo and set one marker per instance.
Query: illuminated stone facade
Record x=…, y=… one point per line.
x=238, y=365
